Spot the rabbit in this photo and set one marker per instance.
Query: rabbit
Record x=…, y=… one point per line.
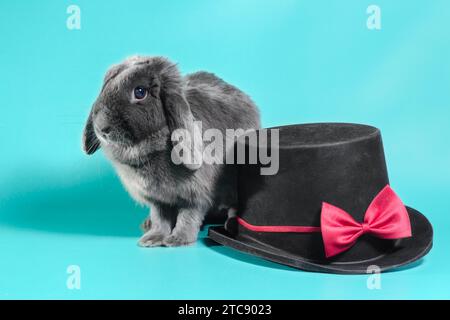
x=142, y=102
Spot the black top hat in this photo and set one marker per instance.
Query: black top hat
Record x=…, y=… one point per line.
x=329, y=208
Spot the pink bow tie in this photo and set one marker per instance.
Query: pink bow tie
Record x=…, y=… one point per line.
x=386, y=218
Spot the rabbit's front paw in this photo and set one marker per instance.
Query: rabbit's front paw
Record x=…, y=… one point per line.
x=176, y=240
x=151, y=239
x=146, y=225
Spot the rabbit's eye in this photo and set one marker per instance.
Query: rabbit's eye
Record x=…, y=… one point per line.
x=140, y=93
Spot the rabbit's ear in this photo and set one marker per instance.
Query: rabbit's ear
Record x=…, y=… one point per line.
x=186, y=133
x=90, y=140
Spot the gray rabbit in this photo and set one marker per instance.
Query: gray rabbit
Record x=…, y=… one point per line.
x=142, y=102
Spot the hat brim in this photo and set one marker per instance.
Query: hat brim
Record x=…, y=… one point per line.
x=411, y=250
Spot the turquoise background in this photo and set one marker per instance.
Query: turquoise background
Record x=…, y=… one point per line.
x=301, y=61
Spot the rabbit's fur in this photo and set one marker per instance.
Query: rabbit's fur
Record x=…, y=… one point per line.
x=136, y=137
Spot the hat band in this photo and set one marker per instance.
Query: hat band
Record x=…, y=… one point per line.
x=297, y=229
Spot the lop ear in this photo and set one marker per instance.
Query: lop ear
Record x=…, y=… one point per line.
x=186, y=133
x=90, y=141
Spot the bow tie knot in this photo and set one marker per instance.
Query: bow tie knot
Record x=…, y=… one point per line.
x=386, y=218
x=365, y=228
